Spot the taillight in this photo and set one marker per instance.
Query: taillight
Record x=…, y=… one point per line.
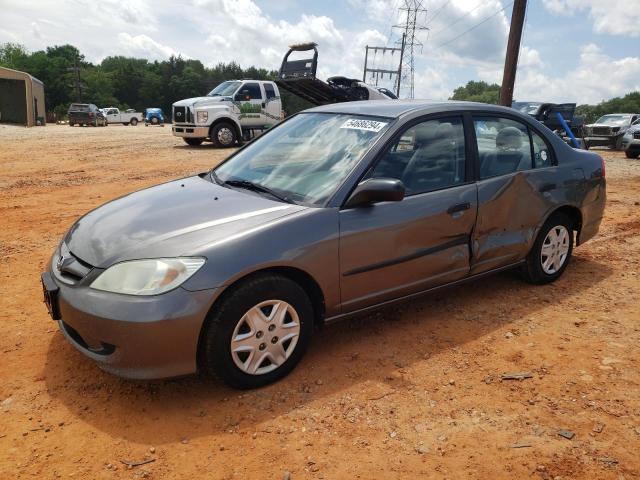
x=602, y=167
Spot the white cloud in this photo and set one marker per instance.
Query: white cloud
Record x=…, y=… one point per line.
x=143, y=46
x=615, y=17
x=598, y=77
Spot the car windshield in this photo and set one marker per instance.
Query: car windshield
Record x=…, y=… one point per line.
x=614, y=119
x=305, y=159
x=224, y=89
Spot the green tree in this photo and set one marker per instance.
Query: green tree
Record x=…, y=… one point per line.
x=478, y=92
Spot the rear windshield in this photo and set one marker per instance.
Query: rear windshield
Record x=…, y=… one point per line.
x=79, y=107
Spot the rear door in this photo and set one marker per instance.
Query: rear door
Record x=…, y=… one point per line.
x=517, y=179
x=273, y=105
x=393, y=249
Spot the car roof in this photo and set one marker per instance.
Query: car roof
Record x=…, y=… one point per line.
x=397, y=108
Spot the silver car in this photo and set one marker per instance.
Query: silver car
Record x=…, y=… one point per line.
x=337, y=210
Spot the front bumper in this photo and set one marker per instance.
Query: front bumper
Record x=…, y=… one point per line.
x=134, y=336
x=596, y=141
x=632, y=145
x=190, y=131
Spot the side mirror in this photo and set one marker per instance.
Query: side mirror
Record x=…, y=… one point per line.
x=376, y=190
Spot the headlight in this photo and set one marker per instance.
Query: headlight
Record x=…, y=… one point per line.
x=147, y=277
x=202, y=116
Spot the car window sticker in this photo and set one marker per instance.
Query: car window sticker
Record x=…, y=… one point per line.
x=368, y=125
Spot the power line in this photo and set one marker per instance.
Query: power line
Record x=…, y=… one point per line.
x=438, y=10
x=475, y=26
x=460, y=18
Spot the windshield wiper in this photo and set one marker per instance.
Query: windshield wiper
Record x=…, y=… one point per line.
x=246, y=184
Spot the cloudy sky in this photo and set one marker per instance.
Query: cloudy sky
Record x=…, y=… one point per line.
x=572, y=50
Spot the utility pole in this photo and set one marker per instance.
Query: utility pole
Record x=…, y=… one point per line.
x=414, y=11
x=513, y=49
x=77, y=83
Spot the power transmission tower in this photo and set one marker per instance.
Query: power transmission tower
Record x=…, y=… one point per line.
x=378, y=73
x=413, y=24
x=513, y=50
x=77, y=82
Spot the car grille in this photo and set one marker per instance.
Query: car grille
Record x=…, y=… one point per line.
x=601, y=131
x=70, y=268
x=182, y=115
x=636, y=135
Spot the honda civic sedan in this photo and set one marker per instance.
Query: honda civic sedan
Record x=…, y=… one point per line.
x=338, y=210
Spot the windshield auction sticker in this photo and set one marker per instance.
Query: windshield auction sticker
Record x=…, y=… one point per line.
x=368, y=125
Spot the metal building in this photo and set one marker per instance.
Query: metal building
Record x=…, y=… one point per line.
x=21, y=98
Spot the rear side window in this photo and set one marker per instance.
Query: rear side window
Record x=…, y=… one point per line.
x=269, y=90
x=542, y=155
x=428, y=156
x=503, y=146
x=252, y=90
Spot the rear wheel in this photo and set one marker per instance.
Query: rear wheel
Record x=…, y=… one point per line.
x=134, y=122
x=154, y=121
x=193, y=141
x=630, y=154
x=258, y=332
x=551, y=251
x=223, y=135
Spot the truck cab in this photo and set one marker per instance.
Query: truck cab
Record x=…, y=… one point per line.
x=235, y=110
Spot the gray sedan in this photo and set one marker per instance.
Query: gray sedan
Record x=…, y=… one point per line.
x=338, y=210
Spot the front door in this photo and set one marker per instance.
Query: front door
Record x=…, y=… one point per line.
x=113, y=116
x=250, y=102
x=393, y=249
x=515, y=190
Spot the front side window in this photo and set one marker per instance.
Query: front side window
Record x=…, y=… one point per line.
x=503, y=146
x=427, y=156
x=250, y=91
x=306, y=158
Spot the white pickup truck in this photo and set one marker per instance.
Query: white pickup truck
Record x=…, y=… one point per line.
x=115, y=116
x=233, y=111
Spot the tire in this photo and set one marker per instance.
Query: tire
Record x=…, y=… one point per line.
x=537, y=269
x=194, y=142
x=250, y=365
x=223, y=135
x=630, y=154
x=154, y=121
x=134, y=122
x=126, y=124
x=71, y=124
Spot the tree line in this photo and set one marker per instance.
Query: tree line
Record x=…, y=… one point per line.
x=490, y=93
x=137, y=83
x=126, y=82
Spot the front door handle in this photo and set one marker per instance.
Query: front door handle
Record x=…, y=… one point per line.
x=460, y=207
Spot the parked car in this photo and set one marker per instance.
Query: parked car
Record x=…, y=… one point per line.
x=609, y=130
x=631, y=140
x=128, y=118
x=153, y=116
x=337, y=210
x=232, y=111
x=86, y=114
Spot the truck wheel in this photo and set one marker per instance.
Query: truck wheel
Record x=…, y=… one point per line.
x=223, y=135
x=134, y=122
x=71, y=124
x=193, y=141
x=154, y=121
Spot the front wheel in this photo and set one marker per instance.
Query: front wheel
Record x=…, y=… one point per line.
x=223, y=135
x=258, y=332
x=630, y=154
x=551, y=251
x=193, y=141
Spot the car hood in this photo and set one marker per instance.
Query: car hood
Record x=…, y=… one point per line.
x=202, y=101
x=169, y=220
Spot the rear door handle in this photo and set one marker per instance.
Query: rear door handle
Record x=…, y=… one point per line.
x=547, y=187
x=458, y=208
